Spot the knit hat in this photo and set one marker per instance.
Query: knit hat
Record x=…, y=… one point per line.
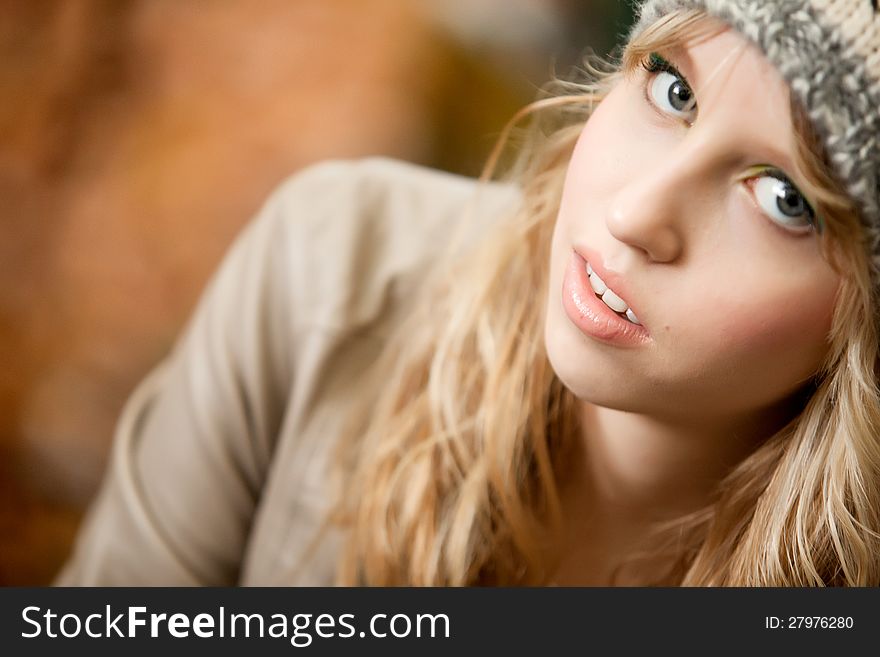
x=829, y=53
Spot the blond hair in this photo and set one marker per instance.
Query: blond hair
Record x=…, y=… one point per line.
x=450, y=472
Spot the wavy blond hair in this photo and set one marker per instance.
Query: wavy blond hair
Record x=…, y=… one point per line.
x=450, y=471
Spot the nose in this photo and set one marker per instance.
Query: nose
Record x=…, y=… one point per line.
x=652, y=211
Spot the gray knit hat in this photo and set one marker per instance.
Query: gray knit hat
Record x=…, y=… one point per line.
x=829, y=52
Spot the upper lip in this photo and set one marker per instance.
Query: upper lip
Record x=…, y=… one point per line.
x=615, y=281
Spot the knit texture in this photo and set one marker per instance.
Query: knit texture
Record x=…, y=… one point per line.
x=829, y=53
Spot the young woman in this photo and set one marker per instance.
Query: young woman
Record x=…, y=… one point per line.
x=648, y=358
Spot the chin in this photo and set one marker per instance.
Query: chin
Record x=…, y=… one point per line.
x=572, y=359
x=585, y=368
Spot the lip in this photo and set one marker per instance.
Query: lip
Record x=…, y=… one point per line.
x=590, y=314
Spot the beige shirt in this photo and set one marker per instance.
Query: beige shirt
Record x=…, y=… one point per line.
x=218, y=469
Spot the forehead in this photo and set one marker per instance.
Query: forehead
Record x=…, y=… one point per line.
x=739, y=91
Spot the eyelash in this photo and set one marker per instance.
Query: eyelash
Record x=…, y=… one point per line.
x=655, y=64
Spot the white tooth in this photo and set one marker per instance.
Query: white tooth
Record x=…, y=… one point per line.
x=597, y=284
x=631, y=316
x=613, y=301
x=589, y=269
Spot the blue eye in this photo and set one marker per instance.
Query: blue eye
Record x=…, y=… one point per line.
x=669, y=91
x=780, y=200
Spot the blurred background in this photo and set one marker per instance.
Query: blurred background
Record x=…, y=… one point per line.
x=138, y=136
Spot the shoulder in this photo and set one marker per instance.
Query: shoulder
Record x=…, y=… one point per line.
x=377, y=177
x=357, y=234
x=336, y=197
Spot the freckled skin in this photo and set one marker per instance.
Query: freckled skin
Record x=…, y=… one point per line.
x=739, y=309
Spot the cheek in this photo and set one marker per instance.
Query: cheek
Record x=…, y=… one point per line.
x=773, y=327
x=768, y=341
x=779, y=307
x=756, y=305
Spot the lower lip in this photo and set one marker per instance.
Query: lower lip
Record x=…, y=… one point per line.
x=590, y=314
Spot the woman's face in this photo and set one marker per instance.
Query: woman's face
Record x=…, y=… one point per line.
x=682, y=194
